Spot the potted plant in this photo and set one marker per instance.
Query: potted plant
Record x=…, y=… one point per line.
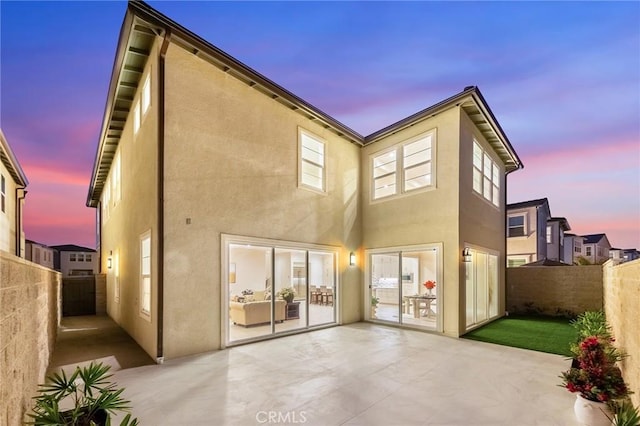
x=597, y=380
x=91, y=397
x=287, y=293
x=374, y=305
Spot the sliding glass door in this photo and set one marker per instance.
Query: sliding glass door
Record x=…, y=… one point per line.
x=481, y=287
x=276, y=287
x=404, y=286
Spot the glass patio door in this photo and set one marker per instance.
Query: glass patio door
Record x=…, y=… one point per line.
x=385, y=287
x=404, y=286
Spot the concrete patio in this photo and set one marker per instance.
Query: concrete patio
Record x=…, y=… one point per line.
x=360, y=374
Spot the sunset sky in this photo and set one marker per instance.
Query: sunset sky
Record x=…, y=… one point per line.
x=562, y=78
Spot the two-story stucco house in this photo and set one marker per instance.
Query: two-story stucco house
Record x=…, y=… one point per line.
x=75, y=261
x=39, y=253
x=556, y=228
x=216, y=189
x=527, y=231
x=572, y=248
x=12, y=194
x=595, y=248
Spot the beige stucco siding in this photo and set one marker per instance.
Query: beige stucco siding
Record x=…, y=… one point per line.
x=422, y=217
x=481, y=222
x=231, y=168
x=132, y=216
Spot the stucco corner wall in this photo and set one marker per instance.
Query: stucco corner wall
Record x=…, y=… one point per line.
x=555, y=289
x=622, y=306
x=29, y=318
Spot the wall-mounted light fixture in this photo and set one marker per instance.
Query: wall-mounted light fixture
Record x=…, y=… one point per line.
x=466, y=254
x=352, y=259
x=109, y=264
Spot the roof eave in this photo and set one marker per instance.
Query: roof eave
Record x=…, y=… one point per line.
x=11, y=162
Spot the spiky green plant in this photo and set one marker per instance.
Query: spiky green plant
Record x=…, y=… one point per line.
x=625, y=414
x=592, y=323
x=91, y=394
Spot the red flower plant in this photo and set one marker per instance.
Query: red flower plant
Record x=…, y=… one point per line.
x=429, y=285
x=597, y=378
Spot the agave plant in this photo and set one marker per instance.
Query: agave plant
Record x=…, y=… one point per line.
x=89, y=392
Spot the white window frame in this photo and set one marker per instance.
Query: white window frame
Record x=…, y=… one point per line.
x=145, y=277
x=398, y=176
x=117, y=179
x=486, y=175
x=549, y=234
x=302, y=160
x=525, y=230
x=517, y=259
x=136, y=117
x=588, y=251
x=72, y=257
x=145, y=95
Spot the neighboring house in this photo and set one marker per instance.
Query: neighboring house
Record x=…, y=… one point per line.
x=556, y=227
x=216, y=188
x=595, y=248
x=572, y=248
x=73, y=260
x=39, y=253
x=12, y=193
x=623, y=255
x=527, y=231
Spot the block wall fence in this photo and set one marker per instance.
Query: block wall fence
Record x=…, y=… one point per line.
x=622, y=306
x=554, y=290
x=29, y=317
x=561, y=289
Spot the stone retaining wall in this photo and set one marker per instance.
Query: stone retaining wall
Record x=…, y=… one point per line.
x=29, y=317
x=622, y=306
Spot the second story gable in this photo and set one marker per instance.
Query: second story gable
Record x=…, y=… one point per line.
x=527, y=231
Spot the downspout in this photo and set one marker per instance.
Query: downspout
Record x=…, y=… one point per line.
x=161, y=81
x=19, y=199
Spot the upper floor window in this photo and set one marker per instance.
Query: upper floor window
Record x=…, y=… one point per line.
x=312, y=172
x=87, y=257
x=403, y=168
x=72, y=257
x=136, y=118
x=587, y=251
x=486, y=175
x=146, y=94
x=577, y=249
x=116, y=174
x=80, y=257
x=549, y=231
x=516, y=226
x=3, y=193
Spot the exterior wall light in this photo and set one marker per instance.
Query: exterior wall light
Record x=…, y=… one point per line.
x=466, y=254
x=352, y=259
x=109, y=262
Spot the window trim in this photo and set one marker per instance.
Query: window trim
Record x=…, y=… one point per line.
x=323, y=142
x=525, y=228
x=400, y=170
x=3, y=193
x=144, y=313
x=494, y=173
x=145, y=95
x=136, y=117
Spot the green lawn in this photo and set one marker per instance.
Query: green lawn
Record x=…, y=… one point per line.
x=538, y=333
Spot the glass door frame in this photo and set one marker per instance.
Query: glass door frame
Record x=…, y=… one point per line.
x=399, y=250
x=228, y=239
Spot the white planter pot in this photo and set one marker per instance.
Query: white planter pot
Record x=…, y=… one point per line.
x=591, y=413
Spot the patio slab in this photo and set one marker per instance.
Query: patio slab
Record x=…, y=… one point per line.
x=359, y=374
